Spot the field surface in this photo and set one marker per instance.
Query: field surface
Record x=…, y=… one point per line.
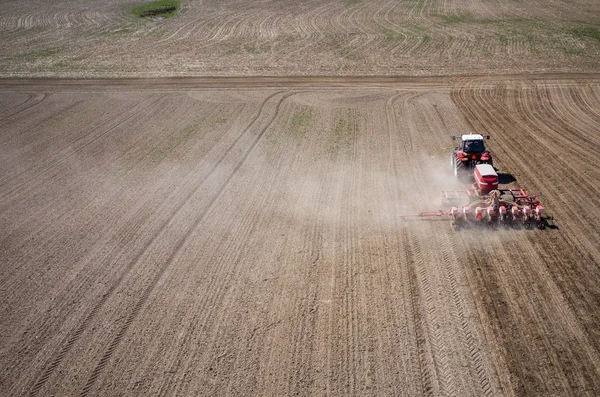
x=100, y=38
x=242, y=236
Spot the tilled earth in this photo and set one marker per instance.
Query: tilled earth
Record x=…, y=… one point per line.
x=243, y=237
x=100, y=38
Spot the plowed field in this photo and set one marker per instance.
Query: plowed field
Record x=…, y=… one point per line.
x=242, y=237
x=99, y=38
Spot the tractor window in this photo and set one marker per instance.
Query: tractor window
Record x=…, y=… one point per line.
x=475, y=146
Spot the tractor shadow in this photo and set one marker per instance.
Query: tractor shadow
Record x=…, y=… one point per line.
x=549, y=223
x=505, y=179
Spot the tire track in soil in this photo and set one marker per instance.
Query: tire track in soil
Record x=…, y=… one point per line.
x=125, y=237
x=60, y=215
x=48, y=118
x=444, y=276
x=581, y=113
x=66, y=214
x=71, y=339
x=138, y=306
x=569, y=348
x=498, y=317
x=28, y=98
x=405, y=255
x=466, y=332
x=347, y=240
x=580, y=300
x=390, y=312
x=411, y=256
x=414, y=259
x=33, y=101
x=525, y=348
x=138, y=221
x=215, y=291
x=579, y=296
x=227, y=360
x=302, y=337
x=306, y=302
x=436, y=271
x=542, y=115
x=568, y=190
x=207, y=310
x=439, y=350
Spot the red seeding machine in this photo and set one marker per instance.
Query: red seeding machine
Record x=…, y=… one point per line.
x=484, y=203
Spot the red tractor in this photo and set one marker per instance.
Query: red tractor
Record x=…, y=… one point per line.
x=471, y=152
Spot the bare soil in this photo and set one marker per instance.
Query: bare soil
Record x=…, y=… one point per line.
x=99, y=38
x=242, y=237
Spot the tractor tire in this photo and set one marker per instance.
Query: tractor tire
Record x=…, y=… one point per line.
x=459, y=168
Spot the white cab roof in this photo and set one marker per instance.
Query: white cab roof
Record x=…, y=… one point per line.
x=486, y=170
x=472, y=137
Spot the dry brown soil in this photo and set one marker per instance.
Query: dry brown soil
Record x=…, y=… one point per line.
x=100, y=38
x=242, y=237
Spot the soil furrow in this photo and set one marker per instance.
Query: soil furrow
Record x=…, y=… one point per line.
x=105, y=297
x=244, y=235
x=33, y=101
x=148, y=290
x=51, y=164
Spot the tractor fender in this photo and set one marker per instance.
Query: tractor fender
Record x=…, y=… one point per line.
x=460, y=154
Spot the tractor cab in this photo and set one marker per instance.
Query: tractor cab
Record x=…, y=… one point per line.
x=471, y=152
x=472, y=144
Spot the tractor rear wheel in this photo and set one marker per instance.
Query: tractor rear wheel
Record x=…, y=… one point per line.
x=459, y=168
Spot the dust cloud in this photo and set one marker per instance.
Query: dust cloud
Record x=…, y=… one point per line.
x=357, y=195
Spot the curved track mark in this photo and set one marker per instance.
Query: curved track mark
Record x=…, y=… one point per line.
x=138, y=306
x=27, y=99
x=33, y=102
x=70, y=340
